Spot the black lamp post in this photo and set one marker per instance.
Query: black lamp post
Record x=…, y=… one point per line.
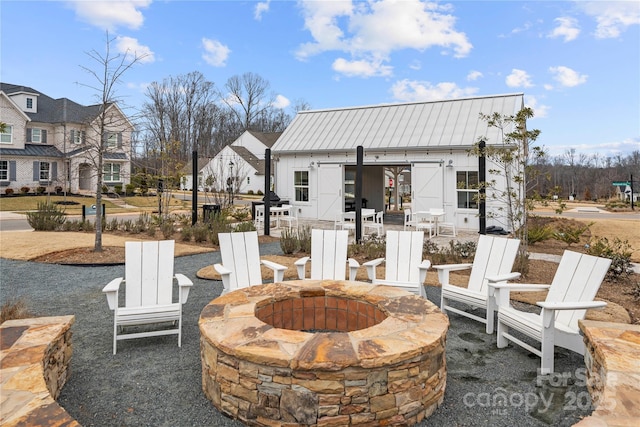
x=230, y=181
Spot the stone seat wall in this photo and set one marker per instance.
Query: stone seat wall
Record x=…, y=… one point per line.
x=34, y=366
x=612, y=358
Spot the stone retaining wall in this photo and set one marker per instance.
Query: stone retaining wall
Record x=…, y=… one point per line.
x=612, y=359
x=34, y=366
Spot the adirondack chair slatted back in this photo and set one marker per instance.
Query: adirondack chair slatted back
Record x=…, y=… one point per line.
x=329, y=254
x=240, y=253
x=577, y=279
x=403, y=255
x=149, y=273
x=494, y=256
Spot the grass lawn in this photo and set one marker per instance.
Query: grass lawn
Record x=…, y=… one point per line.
x=29, y=203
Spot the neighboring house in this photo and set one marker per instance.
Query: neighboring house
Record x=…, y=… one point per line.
x=242, y=160
x=49, y=143
x=315, y=158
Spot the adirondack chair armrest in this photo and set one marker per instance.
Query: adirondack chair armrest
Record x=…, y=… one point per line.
x=422, y=270
x=503, y=277
x=571, y=305
x=519, y=287
x=301, y=265
x=502, y=290
x=443, y=271
x=278, y=269
x=549, y=308
x=111, y=289
x=225, y=274
x=353, y=268
x=371, y=267
x=184, y=284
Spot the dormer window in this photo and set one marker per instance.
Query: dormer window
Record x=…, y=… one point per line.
x=29, y=103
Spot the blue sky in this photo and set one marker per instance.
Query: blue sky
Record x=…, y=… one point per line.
x=578, y=63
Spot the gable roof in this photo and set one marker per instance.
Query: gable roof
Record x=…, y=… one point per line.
x=62, y=110
x=188, y=168
x=438, y=124
x=248, y=157
x=267, y=138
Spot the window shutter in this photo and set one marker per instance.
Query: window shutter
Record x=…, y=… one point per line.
x=28, y=135
x=36, y=171
x=83, y=136
x=119, y=139
x=72, y=136
x=12, y=170
x=44, y=136
x=54, y=171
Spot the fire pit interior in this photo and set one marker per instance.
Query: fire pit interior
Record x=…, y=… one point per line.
x=323, y=353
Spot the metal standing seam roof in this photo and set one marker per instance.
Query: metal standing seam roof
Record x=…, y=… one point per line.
x=417, y=125
x=32, y=150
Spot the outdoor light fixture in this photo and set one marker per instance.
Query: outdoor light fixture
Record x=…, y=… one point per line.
x=450, y=165
x=312, y=164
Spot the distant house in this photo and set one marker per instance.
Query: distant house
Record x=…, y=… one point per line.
x=426, y=142
x=242, y=161
x=48, y=143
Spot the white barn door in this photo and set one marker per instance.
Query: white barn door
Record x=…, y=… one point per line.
x=426, y=186
x=330, y=197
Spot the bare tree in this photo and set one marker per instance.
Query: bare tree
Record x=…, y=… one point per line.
x=248, y=98
x=108, y=119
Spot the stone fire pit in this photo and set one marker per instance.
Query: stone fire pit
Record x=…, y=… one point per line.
x=323, y=353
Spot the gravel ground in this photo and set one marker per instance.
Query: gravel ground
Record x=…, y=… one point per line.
x=152, y=382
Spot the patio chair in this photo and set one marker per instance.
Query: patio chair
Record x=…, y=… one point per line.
x=148, y=280
x=409, y=220
x=404, y=267
x=571, y=293
x=494, y=257
x=425, y=222
x=240, y=267
x=290, y=219
x=375, y=226
x=328, y=256
x=258, y=221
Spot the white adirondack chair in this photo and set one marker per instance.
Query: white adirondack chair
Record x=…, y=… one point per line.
x=240, y=267
x=328, y=256
x=494, y=257
x=148, y=291
x=571, y=293
x=404, y=267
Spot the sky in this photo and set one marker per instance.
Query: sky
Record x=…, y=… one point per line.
x=577, y=62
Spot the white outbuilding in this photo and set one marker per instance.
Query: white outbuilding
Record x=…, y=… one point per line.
x=419, y=148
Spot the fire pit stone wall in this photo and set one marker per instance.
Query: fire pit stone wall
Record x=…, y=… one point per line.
x=323, y=353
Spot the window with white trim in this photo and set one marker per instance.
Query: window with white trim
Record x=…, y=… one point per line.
x=467, y=188
x=36, y=135
x=301, y=185
x=112, y=140
x=4, y=170
x=77, y=136
x=111, y=172
x=6, y=137
x=45, y=171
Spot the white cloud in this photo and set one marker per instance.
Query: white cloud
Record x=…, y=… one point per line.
x=413, y=90
x=415, y=65
x=110, y=15
x=377, y=28
x=609, y=148
x=261, y=7
x=567, y=28
x=518, y=78
x=215, y=53
x=612, y=17
x=474, y=75
x=567, y=77
x=361, y=68
x=281, y=102
x=539, y=110
x=130, y=46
